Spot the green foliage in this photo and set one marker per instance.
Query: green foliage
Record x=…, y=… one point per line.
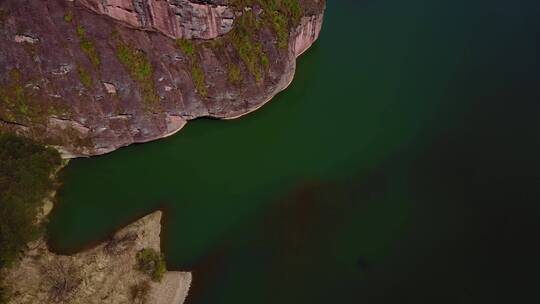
x=245, y=42
x=88, y=46
x=189, y=48
x=280, y=15
x=281, y=27
x=186, y=46
x=197, y=74
x=20, y=104
x=234, y=74
x=85, y=77
x=68, y=17
x=152, y=263
x=81, y=32
x=136, y=62
x=25, y=180
x=140, y=69
x=14, y=100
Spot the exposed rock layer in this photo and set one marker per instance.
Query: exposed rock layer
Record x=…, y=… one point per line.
x=63, y=81
x=174, y=18
x=104, y=275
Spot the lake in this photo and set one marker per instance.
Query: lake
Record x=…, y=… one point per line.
x=401, y=166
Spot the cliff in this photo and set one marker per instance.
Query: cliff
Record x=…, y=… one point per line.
x=91, y=76
x=176, y=19
x=105, y=274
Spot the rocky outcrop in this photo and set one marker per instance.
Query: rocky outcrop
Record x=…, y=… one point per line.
x=307, y=33
x=89, y=84
x=174, y=18
x=106, y=274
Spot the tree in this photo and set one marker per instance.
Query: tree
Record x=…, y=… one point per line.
x=26, y=170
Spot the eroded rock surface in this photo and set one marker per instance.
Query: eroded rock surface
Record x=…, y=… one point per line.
x=91, y=76
x=174, y=18
x=106, y=274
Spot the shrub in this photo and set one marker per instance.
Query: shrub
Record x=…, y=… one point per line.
x=189, y=48
x=88, y=46
x=281, y=26
x=68, y=17
x=85, y=77
x=245, y=42
x=197, y=74
x=186, y=46
x=13, y=99
x=140, y=69
x=152, y=263
x=234, y=74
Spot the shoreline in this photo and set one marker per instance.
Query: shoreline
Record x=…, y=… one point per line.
x=249, y=111
x=289, y=76
x=114, y=259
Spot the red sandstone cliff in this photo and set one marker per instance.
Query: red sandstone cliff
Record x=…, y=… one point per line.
x=90, y=76
x=176, y=19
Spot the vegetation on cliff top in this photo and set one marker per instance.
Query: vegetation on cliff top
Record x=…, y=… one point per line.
x=152, y=263
x=280, y=15
x=244, y=38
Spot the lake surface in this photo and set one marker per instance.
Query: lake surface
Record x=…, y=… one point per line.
x=400, y=167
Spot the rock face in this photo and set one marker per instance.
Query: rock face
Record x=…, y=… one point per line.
x=91, y=76
x=307, y=32
x=104, y=275
x=174, y=18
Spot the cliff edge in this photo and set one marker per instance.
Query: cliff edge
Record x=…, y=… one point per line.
x=89, y=76
x=106, y=274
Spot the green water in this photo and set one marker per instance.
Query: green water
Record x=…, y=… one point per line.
x=400, y=167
